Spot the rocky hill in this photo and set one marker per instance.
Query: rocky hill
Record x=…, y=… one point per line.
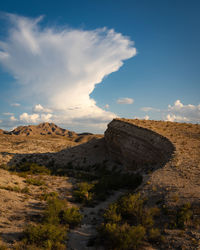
x=42, y=129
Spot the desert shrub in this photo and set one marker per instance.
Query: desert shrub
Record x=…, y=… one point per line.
x=25, y=190
x=48, y=236
x=106, y=184
x=47, y=196
x=30, y=168
x=131, y=207
x=128, y=222
x=183, y=215
x=82, y=192
x=51, y=232
x=154, y=234
x=35, y=182
x=58, y=212
x=2, y=247
x=54, y=207
x=71, y=216
x=147, y=218
x=13, y=188
x=122, y=236
x=111, y=214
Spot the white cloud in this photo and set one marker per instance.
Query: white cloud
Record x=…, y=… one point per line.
x=35, y=118
x=146, y=117
x=7, y=113
x=45, y=117
x=62, y=66
x=38, y=108
x=29, y=118
x=147, y=109
x=183, y=113
x=125, y=100
x=12, y=104
x=12, y=118
x=175, y=118
x=106, y=106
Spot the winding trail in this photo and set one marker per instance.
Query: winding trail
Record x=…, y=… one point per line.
x=79, y=237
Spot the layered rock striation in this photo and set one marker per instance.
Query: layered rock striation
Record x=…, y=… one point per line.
x=134, y=146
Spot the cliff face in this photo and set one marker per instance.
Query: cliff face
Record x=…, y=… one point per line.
x=134, y=146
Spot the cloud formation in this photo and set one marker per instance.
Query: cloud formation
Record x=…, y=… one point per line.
x=38, y=108
x=12, y=104
x=183, y=113
x=35, y=118
x=62, y=66
x=125, y=100
x=150, y=109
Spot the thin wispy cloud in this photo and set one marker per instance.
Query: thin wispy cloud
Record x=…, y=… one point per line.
x=8, y=113
x=12, y=104
x=150, y=109
x=125, y=100
x=62, y=66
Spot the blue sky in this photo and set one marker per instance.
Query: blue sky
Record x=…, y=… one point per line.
x=159, y=81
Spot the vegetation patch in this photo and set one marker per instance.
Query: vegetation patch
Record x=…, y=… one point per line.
x=51, y=232
x=127, y=223
x=34, y=181
x=98, y=190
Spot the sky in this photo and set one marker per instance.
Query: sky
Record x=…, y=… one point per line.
x=80, y=64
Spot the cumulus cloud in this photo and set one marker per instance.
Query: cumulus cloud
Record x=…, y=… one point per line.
x=146, y=117
x=62, y=66
x=150, y=109
x=125, y=100
x=12, y=118
x=183, y=113
x=35, y=118
x=176, y=118
x=38, y=108
x=106, y=106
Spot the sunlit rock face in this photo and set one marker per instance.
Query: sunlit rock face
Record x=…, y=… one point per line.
x=135, y=147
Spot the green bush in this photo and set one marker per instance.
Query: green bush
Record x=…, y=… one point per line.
x=54, y=207
x=35, y=182
x=183, y=215
x=154, y=234
x=111, y=214
x=82, y=192
x=131, y=207
x=48, y=236
x=122, y=236
x=25, y=190
x=52, y=230
x=127, y=223
x=71, y=216
x=30, y=168
x=47, y=196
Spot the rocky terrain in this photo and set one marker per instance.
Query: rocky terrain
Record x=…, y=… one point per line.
x=42, y=138
x=166, y=154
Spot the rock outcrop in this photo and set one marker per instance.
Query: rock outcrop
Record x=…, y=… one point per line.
x=135, y=147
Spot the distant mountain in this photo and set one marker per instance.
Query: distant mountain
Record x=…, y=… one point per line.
x=42, y=129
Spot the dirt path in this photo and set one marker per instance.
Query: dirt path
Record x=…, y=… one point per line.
x=79, y=237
